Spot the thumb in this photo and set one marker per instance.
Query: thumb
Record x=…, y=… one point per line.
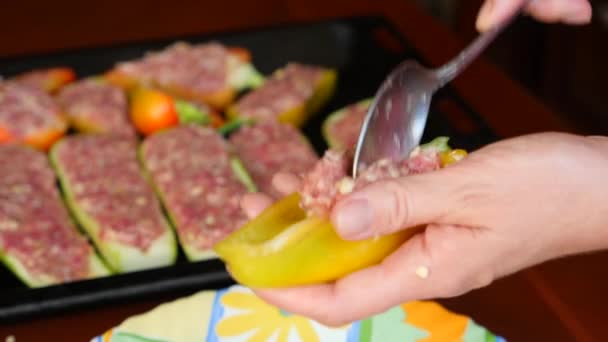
x=387, y=206
x=493, y=12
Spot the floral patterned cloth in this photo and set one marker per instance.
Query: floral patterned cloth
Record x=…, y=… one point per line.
x=236, y=314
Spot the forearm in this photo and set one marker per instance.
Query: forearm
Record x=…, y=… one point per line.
x=590, y=231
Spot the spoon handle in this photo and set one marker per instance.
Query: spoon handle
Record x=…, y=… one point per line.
x=450, y=70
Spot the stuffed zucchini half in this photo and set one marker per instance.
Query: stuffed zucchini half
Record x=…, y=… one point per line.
x=29, y=115
x=269, y=147
x=112, y=201
x=209, y=73
x=95, y=106
x=341, y=128
x=292, y=95
x=200, y=184
x=39, y=242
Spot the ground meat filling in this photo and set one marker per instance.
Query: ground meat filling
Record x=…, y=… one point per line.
x=35, y=227
x=423, y=161
x=110, y=188
x=100, y=106
x=190, y=165
x=270, y=147
x=44, y=79
x=347, y=128
x=330, y=178
x=285, y=90
x=34, y=78
x=322, y=185
x=201, y=68
x=26, y=110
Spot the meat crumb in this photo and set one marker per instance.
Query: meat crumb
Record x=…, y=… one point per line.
x=9, y=225
x=422, y=272
x=346, y=185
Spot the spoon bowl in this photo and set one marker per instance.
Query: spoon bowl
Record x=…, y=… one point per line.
x=403, y=101
x=396, y=119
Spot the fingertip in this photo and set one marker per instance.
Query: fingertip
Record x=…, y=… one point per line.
x=268, y=295
x=316, y=302
x=484, y=18
x=575, y=12
x=286, y=183
x=302, y=300
x=254, y=203
x=494, y=12
x=285, y=296
x=581, y=14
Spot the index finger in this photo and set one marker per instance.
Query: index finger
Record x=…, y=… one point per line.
x=361, y=294
x=568, y=11
x=286, y=183
x=443, y=261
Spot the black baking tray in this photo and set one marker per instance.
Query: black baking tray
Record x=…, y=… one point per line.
x=362, y=49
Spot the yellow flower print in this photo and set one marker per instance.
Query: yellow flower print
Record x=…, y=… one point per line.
x=264, y=319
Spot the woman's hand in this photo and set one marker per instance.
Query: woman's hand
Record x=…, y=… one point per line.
x=505, y=207
x=574, y=12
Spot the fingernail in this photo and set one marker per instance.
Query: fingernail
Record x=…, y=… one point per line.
x=354, y=218
x=485, y=15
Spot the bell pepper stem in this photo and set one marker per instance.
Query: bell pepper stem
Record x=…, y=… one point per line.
x=241, y=173
x=233, y=125
x=189, y=113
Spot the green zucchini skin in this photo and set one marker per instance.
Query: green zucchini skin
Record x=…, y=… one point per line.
x=97, y=269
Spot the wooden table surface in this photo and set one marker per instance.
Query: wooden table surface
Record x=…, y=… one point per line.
x=559, y=301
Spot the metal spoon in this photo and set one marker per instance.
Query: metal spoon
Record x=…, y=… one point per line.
x=395, y=121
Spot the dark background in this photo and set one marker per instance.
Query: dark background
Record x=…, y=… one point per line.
x=564, y=66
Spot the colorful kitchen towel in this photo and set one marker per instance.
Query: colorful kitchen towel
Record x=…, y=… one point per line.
x=236, y=314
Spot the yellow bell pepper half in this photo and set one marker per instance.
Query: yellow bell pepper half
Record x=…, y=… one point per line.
x=282, y=247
